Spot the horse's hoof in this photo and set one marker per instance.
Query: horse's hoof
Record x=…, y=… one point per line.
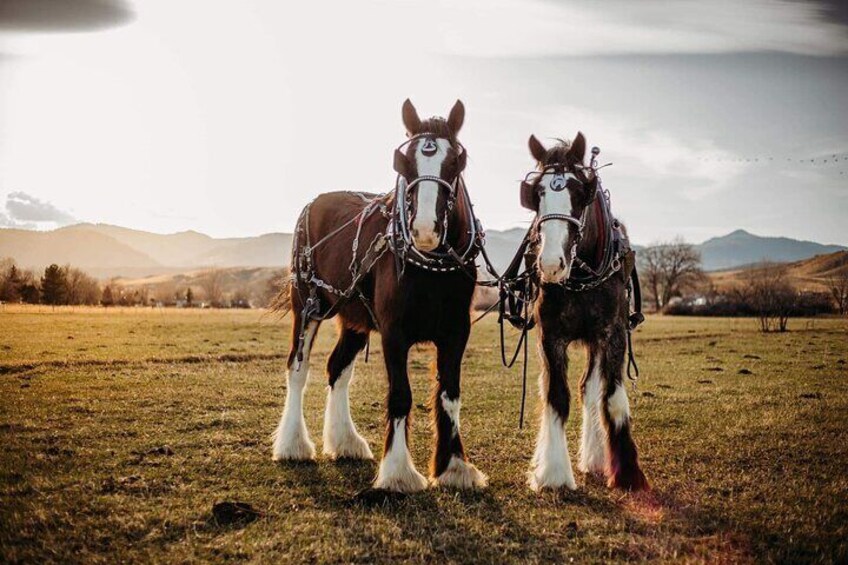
x=551, y=479
x=461, y=474
x=591, y=467
x=298, y=448
x=352, y=446
x=406, y=480
x=633, y=481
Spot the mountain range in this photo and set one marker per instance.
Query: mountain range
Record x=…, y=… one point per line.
x=109, y=251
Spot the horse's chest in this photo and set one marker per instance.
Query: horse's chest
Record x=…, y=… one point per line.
x=433, y=306
x=579, y=315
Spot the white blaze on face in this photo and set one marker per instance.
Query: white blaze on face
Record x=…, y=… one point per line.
x=425, y=233
x=553, y=261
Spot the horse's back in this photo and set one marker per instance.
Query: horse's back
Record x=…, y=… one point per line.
x=331, y=210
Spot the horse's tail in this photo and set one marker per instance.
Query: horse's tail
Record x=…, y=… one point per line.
x=281, y=304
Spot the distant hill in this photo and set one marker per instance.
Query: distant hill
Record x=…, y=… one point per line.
x=87, y=249
x=808, y=274
x=251, y=282
x=733, y=250
x=108, y=251
x=742, y=248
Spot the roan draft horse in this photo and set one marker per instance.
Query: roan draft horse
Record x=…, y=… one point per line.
x=401, y=264
x=582, y=261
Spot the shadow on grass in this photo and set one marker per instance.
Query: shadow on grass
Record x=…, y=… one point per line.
x=467, y=525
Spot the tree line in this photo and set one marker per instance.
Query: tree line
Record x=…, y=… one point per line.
x=674, y=283
x=68, y=285
x=56, y=286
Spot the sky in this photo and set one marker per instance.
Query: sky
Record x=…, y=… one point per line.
x=227, y=117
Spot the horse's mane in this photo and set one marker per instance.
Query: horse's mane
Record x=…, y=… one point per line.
x=559, y=152
x=438, y=127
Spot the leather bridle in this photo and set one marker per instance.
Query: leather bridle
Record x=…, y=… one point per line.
x=444, y=258
x=558, y=169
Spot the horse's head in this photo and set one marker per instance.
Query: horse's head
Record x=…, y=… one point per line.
x=559, y=191
x=430, y=164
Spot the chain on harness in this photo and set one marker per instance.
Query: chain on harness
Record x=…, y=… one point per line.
x=304, y=273
x=395, y=208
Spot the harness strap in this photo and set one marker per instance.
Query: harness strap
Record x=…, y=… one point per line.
x=637, y=317
x=633, y=321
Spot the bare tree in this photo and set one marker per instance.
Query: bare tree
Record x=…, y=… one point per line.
x=165, y=293
x=771, y=296
x=212, y=283
x=838, y=286
x=669, y=268
x=80, y=287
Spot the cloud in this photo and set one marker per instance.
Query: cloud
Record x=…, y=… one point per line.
x=520, y=28
x=699, y=167
x=24, y=210
x=63, y=15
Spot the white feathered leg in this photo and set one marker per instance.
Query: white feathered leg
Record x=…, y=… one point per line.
x=593, y=439
x=340, y=436
x=291, y=439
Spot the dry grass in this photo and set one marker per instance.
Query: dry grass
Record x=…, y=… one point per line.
x=745, y=467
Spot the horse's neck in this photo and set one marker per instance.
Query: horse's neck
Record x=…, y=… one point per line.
x=458, y=227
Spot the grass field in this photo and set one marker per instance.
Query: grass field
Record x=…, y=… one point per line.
x=120, y=430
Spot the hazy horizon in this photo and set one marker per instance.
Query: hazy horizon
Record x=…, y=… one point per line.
x=198, y=117
x=289, y=232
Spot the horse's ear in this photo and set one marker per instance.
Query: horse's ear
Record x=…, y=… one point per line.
x=578, y=147
x=410, y=118
x=537, y=150
x=402, y=165
x=456, y=117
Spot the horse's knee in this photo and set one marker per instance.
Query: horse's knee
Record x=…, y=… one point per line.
x=400, y=402
x=559, y=401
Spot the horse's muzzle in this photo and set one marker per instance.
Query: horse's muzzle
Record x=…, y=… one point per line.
x=425, y=240
x=555, y=271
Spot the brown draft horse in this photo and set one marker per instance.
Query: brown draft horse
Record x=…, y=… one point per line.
x=569, y=236
x=413, y=306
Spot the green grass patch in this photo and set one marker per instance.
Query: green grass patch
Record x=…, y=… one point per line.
x=121, y=430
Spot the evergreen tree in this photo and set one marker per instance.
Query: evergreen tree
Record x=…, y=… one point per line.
x=189, y=298
x=30, y=293
x=10, y=285
x=107, y=299
x=54, y=285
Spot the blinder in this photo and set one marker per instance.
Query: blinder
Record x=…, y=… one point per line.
x=531, y=190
